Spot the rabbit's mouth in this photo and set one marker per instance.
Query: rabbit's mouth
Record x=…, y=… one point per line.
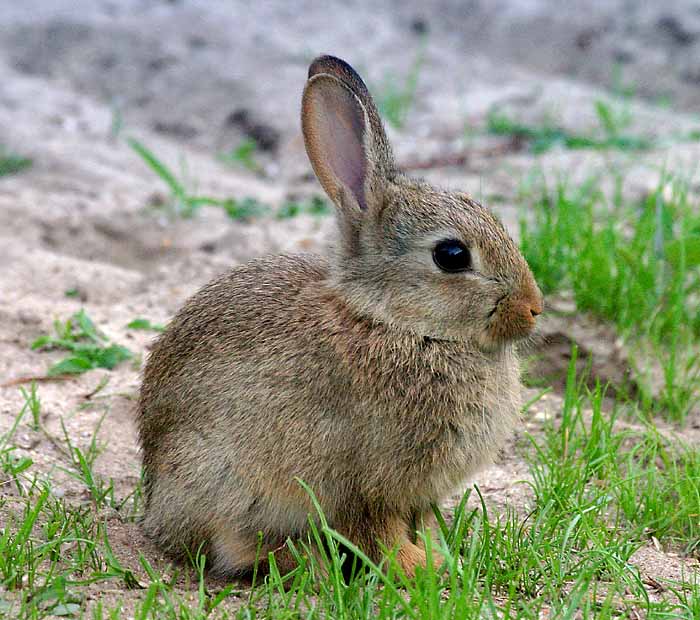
x=512, y=318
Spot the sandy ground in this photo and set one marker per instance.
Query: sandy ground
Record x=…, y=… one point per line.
x=191, y=80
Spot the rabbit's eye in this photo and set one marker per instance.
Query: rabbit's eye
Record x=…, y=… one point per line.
x=452, y=255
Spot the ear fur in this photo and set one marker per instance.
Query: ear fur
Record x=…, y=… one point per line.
x=344, y=136
x=334, y=125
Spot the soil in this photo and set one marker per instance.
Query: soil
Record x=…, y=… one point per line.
x=192, y=79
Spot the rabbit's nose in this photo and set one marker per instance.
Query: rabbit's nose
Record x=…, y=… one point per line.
x=534, y=298
x=536, y=307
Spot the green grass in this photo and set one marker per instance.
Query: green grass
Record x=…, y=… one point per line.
x=243, y=155
x=598, y=493
x=638, y=473
x=611, y=133
x=145, y=325
x=244, y=209
x=185, y=204
x=316, y=206
x=636, y=265
x=10, y=163
x=396, y=96
x=88, y=347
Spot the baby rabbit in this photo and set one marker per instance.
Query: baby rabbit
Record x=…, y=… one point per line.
x=382, y=375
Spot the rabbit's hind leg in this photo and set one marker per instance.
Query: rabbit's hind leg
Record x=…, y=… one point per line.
x=410, y=556
x=236, y=553
x=422, y=525
x=388, y=532
x=233, y=553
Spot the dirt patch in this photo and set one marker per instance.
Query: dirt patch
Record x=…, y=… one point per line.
x=601, y=355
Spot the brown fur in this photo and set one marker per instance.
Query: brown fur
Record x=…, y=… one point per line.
x=376, y=378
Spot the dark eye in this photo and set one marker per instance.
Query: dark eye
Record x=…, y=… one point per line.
x=452, y=255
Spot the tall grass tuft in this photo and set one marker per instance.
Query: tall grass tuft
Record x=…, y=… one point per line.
x=636, y=265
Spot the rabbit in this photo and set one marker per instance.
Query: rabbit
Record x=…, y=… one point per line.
x=382, y=375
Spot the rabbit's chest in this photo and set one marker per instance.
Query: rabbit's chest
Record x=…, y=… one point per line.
x=442, y=424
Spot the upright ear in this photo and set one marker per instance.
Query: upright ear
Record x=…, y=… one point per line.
x=344, y=137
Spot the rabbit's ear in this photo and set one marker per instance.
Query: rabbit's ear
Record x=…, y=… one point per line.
x=344, y=137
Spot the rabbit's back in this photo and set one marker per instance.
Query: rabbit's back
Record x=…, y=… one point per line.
x=231, y=402
x=238, y=334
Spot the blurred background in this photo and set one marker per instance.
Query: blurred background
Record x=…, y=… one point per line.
x=147, y=145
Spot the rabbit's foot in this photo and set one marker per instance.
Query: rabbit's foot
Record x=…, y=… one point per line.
x=436, y=558
x=399, y=535
x=428, y=526
x=410, y=557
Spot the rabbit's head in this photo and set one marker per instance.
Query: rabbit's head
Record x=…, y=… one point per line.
x=421, y=259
